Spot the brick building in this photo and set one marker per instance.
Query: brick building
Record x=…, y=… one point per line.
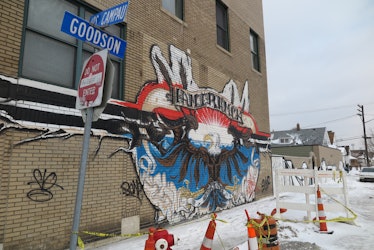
x=184, y=134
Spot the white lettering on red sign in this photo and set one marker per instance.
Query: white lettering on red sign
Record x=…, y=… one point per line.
x=93, y=79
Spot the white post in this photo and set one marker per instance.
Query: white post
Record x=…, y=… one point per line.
x=277, y=184
x=316, y=183
x=307, y=196
x=346, y=201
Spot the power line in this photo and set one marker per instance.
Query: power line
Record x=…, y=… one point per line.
x=318, y=110
x=309, y=111
x=339, y=119
x=348, y=139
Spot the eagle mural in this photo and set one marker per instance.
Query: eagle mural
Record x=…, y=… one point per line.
x=193, y=148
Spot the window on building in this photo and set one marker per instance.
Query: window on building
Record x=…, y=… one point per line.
x=54, y=57
x=253, y=40
x=285, y=140
x=222, y=25
x=174, y=6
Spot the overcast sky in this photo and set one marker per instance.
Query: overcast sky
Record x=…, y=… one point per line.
x=320, y=65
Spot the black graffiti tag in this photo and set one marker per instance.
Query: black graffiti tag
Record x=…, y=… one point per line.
x=133, y=188
x=45, y=183
x=265, y=183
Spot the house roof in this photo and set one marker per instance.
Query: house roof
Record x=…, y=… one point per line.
x=312, y=136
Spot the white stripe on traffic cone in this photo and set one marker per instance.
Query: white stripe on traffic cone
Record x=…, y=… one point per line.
x=209, y=235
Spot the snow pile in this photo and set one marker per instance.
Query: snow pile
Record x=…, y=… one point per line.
x=231, y=230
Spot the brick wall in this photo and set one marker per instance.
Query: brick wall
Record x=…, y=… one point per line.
x=264, y=187
x=35, y=211
x=331, y=156
x=5, y=155
x=11, y=19
x=40, y=206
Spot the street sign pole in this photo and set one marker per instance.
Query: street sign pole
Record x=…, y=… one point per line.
x=82, y=174
x=92, y=97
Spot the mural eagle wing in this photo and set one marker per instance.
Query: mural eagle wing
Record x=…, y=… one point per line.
x=188, y=157
x=202, y=163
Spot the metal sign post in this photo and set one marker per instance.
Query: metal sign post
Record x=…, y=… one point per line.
x=95, y=86
x=82, y=175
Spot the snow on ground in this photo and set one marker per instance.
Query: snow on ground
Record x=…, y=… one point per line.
x=292, y=235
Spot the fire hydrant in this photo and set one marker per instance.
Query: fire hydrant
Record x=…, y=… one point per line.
x=160, y=239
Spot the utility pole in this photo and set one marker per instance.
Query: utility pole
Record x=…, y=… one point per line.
x=362, y=115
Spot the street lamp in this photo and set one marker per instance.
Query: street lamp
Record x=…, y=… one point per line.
x=362, y=115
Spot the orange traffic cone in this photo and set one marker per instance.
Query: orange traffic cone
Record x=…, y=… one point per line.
x=150, y=242
x=321, y=215
x=252, y=238
x=209, y=235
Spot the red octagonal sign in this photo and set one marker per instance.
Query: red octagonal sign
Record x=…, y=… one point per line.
x=90, y=90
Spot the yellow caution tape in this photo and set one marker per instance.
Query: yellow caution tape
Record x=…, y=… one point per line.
x=112, y=235
x=257, y=226
x=341, y=219
x=219, y=237
x=214, y=218
x=340, y=176
x=337, y=219
x=221, y=220
x=81, y=243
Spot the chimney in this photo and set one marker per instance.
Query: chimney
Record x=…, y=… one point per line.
x=331, y=136
x=298, y=127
